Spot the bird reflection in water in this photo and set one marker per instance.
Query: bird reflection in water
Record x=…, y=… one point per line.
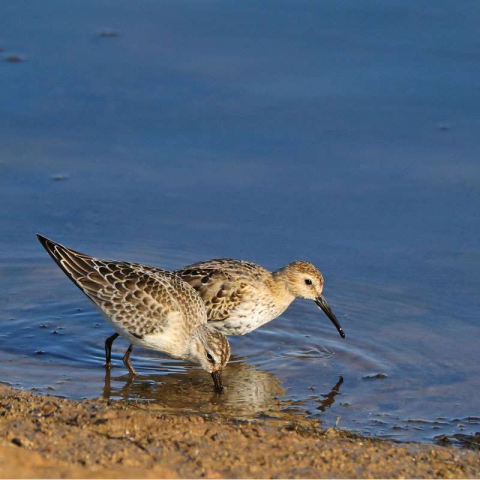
x=329, y=399
x=249, y=391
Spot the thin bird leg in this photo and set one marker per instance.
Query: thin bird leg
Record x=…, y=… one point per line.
x=107, y=388
x=108, y=349
x=127, y=362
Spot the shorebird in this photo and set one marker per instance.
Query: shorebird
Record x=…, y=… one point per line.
x=242, y=296
x=149, y=307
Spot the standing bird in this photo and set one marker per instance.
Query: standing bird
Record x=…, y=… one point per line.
x=149, y=307
x=242, y=296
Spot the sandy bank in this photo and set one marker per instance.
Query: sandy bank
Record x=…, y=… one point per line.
x=43, y=436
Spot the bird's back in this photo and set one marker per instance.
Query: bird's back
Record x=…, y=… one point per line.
x=138, y=299
x=227, y=267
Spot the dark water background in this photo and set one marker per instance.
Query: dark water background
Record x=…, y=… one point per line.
x=344, y=133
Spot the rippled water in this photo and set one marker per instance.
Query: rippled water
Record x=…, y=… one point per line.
x=338, y=133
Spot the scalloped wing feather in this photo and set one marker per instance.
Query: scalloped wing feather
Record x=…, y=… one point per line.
x=140, y=299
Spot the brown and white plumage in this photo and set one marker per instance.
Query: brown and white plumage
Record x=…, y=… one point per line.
x=241, y=296
x=150, y=307
x=224, y=284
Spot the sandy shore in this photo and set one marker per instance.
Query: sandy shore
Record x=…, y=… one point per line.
x=43, y=436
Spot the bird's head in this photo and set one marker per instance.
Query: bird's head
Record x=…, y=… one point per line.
x=304, y=280
x=211, y=350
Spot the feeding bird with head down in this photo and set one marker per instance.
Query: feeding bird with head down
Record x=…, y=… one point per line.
x=149, y=307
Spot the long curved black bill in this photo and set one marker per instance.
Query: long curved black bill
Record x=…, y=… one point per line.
x=322, y=303
x=217, y=381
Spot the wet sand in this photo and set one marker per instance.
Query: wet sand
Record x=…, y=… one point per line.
x=44, y=436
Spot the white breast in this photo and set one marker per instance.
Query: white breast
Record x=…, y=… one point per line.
x=249, y=316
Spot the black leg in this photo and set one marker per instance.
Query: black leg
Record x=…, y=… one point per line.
x=127, y=362
x=108, y=349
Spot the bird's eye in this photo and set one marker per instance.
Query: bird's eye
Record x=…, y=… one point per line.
x=308, y=281
x=209, y=356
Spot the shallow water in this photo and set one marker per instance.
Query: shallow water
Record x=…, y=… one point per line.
x=338, y=133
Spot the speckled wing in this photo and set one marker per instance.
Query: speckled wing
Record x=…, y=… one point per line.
x=138, y=298
x=223, y=284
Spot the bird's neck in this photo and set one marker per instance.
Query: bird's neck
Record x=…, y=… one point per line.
x=280, y=287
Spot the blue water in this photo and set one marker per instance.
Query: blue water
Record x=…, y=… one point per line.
x=343, y=133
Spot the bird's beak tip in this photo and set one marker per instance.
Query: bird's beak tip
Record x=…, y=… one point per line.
x=217, y=381
x=322, y=303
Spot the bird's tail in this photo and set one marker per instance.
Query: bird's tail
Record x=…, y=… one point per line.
x=75, y=265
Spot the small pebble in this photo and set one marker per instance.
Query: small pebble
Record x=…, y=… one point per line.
x=376, y=376
x=17, y=441
x=60, y=178
x=108, y=33
x=14, y=59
